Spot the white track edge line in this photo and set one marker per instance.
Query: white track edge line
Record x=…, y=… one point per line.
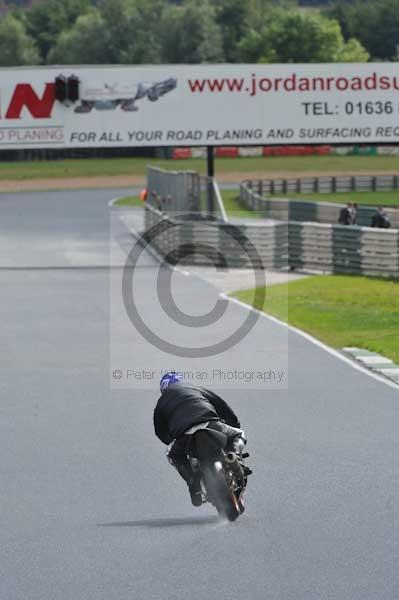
x=148, y=247
x=303, y=334
x=113, y=201
x=316, y=342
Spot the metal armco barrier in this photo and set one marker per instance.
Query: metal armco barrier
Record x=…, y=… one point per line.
x=307, y=246
x=172, y=191
x=253, y=196
x=340, y=249
x=201, y=242
x=183, y=191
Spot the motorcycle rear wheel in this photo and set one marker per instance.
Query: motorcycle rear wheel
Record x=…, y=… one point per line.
x=221, y=496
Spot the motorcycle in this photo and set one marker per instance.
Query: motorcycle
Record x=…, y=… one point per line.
x=223, y=474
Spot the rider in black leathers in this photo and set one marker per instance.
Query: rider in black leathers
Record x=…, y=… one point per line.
x=182, y=407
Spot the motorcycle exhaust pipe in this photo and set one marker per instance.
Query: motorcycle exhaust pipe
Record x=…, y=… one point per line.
x=231, y=457
x=234, y=464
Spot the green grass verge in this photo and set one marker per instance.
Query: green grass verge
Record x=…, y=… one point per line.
x=339, y=310
x=367, y=198
x=230, y=199
x=131, y=201
x=137, y=166
x=233, y=207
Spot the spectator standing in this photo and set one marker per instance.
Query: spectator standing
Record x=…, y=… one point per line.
x=380, y=219
x=354, y=214
x=345, y=215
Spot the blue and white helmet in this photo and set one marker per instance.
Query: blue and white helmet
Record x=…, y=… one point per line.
x=168, y=378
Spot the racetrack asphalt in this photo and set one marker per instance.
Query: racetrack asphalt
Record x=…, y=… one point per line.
x=90, y=509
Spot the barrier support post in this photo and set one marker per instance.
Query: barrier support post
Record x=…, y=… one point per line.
x=211, y=173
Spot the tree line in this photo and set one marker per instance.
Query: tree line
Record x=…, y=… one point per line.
x=197, y=31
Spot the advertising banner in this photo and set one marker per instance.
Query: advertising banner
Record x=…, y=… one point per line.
x=200, y=105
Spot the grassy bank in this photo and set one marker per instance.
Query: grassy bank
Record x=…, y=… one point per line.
x=130, y=201
x=137, y=166
x=233, y=208
x=339, y=310
x=230, y=199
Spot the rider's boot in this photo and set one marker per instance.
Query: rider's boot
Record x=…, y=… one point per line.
x=194, y=487
x=193, y=482
x=238, y=445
